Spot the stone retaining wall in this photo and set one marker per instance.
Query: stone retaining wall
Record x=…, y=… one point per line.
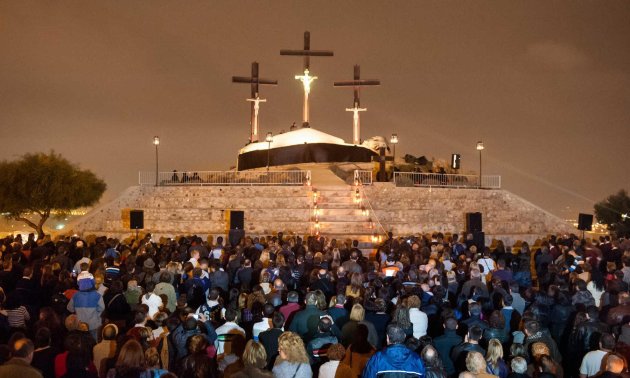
x=171, y=211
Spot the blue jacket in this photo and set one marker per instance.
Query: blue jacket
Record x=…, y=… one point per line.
x=393, y=362
x=88, y=306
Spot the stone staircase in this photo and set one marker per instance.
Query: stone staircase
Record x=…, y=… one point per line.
x=178, y=210
x=339, y=216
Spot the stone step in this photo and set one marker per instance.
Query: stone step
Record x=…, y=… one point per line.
x=332, y=188
x=343, y=218
x=353, y=211
x=344, y=227
x=352, y=214
x=335, y=193
x=337, y=205
x=335, y=198
x=365, y=239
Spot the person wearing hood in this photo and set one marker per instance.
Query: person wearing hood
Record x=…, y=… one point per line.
x=88, y=305
x=395, y=359
x=190, y=327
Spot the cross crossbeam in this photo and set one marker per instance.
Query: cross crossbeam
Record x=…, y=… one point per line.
x=306, y=79
x=356, y=84
x=255, y=81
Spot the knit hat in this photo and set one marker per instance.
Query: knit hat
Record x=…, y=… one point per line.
x=149, y=264
x=519, y=337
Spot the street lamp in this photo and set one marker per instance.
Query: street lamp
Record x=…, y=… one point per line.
x=480, y=148
x=156, y=142
x=394, y=141
x=269, y=139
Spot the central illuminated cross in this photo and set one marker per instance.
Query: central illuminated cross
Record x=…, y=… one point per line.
x=306, y=79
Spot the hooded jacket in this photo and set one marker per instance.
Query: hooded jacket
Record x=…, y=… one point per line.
x=393, y=362
x=88, y=306
x=181, y=336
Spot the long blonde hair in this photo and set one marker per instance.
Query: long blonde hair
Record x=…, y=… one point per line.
x=495, y=352
x=357, y=313
x=264, y=258
x=293, y=347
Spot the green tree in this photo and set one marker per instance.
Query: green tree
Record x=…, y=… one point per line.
x=40, y=184
x=614, y=211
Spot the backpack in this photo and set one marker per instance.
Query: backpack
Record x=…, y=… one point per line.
x=59, y=303
x=196, y=295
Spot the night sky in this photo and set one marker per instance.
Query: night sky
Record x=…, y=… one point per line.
x=544, y=84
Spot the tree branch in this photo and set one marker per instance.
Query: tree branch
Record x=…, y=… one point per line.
x=27, y=221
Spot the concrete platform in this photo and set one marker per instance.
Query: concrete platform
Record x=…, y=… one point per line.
x=202, y=210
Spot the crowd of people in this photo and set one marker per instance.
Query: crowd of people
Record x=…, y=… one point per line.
x=283, y=306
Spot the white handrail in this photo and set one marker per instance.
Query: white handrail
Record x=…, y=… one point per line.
x=362, y=177
x=225, y=178
x=358, y=183
x=446, y=180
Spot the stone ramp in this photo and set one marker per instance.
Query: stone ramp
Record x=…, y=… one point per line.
x=325, y=177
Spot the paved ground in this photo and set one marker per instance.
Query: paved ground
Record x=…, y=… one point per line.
x=324, y=177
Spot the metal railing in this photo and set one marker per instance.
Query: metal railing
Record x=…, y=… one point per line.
x=362, y=177
x=227, y=178
x=364, y=199
x=446, y=180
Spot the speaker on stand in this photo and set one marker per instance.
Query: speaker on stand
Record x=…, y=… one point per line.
x=474, y=225
x=237, y=227
x=136, y=220
x=585, y=223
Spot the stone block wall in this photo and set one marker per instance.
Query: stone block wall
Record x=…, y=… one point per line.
x=505, y=215
x=171, y=211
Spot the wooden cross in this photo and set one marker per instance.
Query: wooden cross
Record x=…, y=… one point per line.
x=357, y=83
x=306, y=79
x=255, y=99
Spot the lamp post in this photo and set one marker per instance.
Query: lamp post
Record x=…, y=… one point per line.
x=394, y=141
x=269, y=139
x=480, y=148
x=156, y=142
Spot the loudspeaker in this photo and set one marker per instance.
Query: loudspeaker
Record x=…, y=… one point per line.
x=585, y=222
x=473, y=222
x=237, y=220
x=479, y=239
x=456, y=161
x=136, y=219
